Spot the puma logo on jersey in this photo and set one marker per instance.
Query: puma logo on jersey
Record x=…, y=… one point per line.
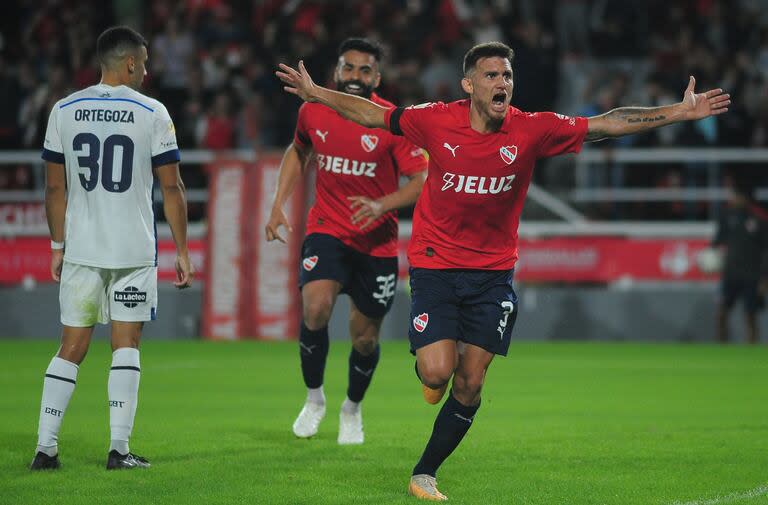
x=339, y=165
x=474, y=184
x=452, y=149
x=322, y=135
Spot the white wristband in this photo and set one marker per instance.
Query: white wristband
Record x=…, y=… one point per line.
x=57, y=245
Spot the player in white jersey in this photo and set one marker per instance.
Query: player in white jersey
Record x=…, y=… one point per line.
x=101, y=148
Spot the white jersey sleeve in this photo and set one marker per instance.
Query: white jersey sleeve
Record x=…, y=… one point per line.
x=52, y=149
x=165, y=150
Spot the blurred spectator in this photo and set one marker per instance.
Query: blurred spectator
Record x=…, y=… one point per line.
x=742, y=234
x=573, y=27
x=172, y=52
x=9, y=107
x=441, y=76
x=212, y=63
x=217, y=129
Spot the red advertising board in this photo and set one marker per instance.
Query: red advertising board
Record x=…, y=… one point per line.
x=252, y=286
x=25, y=259
x=601, y=259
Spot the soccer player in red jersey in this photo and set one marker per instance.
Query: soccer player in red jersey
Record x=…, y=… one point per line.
x=351, y=242
x=464, y=244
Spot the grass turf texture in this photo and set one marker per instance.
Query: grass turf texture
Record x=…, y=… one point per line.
x=561, y=423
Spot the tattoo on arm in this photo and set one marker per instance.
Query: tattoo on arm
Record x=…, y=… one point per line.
x=625, y=120
x=636, y=115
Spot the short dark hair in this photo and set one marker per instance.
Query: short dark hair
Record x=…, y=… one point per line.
x=367, y=46
x=487, y=50
x=114, y=40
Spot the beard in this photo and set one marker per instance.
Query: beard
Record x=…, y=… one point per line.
x=363, y=90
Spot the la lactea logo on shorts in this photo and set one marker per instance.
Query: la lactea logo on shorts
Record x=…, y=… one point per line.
x=131, y=296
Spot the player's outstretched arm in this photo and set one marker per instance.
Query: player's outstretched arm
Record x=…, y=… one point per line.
x=367, y=210
x=292, y=166
x=354, y=108
x=629, y=120
x=175, y=208
x=55, y=210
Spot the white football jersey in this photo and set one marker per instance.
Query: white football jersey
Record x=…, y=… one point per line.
x=109, y=139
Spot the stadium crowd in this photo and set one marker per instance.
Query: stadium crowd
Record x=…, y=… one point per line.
x=212, y=62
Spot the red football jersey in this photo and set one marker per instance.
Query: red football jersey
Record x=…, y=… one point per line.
x=469, y=210
x=354, y=160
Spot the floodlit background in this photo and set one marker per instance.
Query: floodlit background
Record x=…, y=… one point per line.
x=609, y=245
x=609, y=239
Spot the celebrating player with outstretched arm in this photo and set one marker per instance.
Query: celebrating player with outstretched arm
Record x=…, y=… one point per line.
x=351, y=242
x=464, y=244
x=101, y=147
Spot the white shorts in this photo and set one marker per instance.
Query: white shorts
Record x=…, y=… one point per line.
x=90, y=295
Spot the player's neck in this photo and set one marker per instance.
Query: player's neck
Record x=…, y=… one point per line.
x=481, y=123
x=111, y=79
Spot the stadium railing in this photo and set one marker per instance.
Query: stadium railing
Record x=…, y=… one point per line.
x=569, y=220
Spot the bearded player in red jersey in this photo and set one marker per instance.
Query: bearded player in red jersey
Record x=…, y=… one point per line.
x=351, y=242
x=464, y=244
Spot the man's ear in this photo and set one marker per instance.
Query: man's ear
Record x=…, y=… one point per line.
x=130, y=62
x=466, y=85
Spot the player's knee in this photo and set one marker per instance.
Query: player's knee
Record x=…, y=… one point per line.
x=365, y=344
x=317, y=313
x=467, y=386
x=435, y=376
x=73, y=353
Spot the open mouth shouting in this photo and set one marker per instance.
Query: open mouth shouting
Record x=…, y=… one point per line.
x=499, y=102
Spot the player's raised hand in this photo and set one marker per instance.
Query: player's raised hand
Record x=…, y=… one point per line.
x=367, y=210
x=701, y=105
x=184, y=271
x=57, y=260
x=277, y=219
x=298, y=82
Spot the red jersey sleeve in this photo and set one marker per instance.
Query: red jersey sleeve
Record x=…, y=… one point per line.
x=412, y=122
x=301, y=134
x=409, y=158
x=558, y=134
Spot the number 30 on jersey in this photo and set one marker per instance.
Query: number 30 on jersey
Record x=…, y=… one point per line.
x=89, y=161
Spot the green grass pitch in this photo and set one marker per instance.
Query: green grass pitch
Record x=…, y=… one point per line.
x=561, y=423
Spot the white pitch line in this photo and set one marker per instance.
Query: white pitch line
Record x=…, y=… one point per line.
x=730, y=498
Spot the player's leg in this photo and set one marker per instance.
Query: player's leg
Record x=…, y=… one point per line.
x=751, y=323
x=434, y=330
x=322, y=276
x=453, y=421
x=487, y=314
x=318, y=298
x=58, y=386
x=133, y=301
x=363, y=359
x=82, y=300
x=752, y=304
x=435, y=364
x=726, y=299
x=371, y=290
